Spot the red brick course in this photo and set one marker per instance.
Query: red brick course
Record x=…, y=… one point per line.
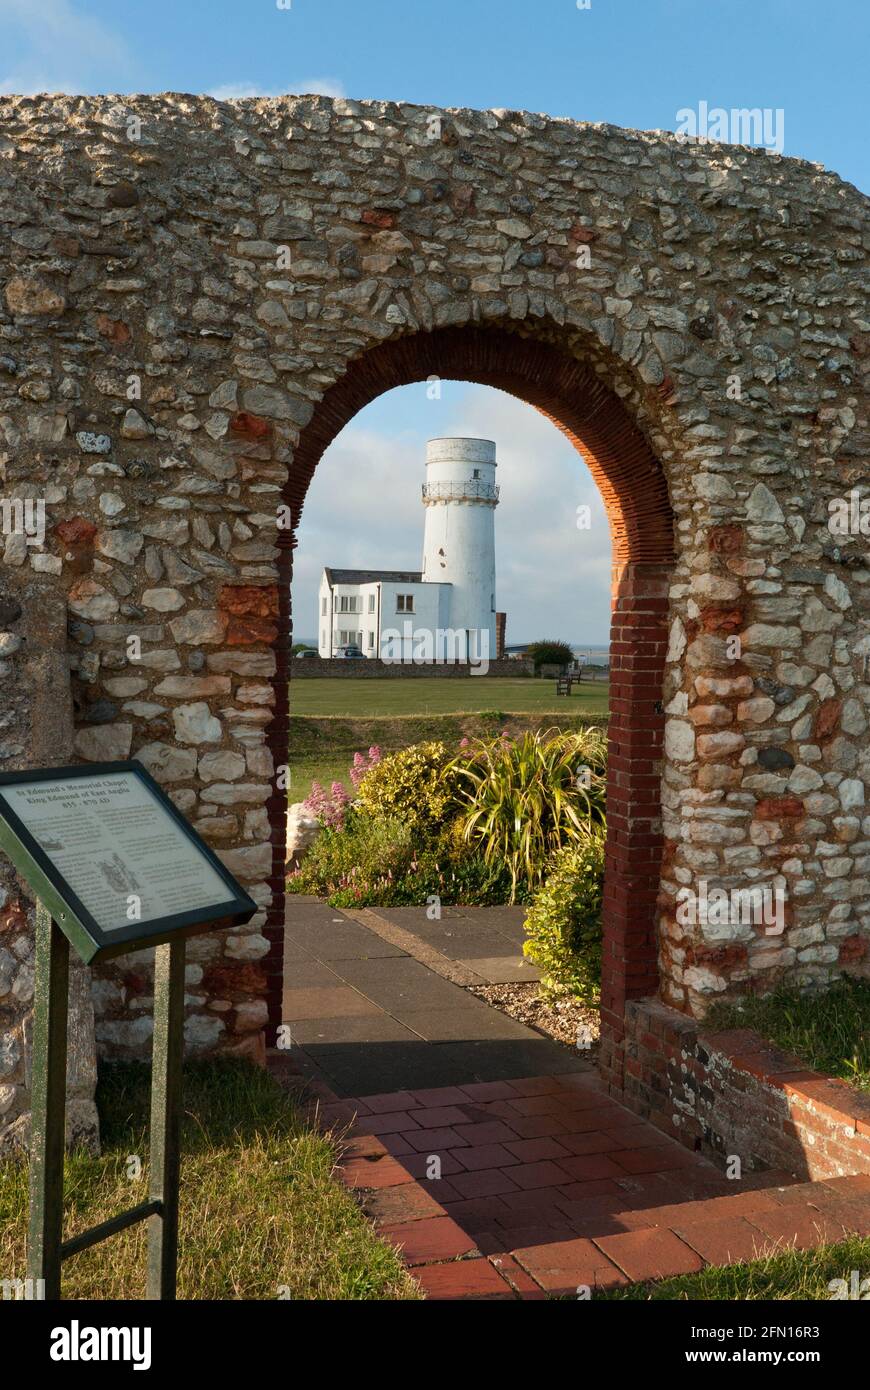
x=734, y=1093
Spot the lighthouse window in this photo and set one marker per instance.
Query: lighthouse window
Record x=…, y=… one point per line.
x=476, y=473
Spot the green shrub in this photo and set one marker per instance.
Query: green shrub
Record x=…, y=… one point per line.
x=521, y=800
x=474, y=829
x=383, y=862
x=381, y=847
x=460, y=875
x=549, y=653
x=417, y=784
x=563, y=924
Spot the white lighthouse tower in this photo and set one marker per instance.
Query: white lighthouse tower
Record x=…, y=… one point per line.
x=460, y=496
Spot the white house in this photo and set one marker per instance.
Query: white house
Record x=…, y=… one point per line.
x=446, y=611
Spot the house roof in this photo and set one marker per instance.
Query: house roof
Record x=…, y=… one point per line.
x=334, y=577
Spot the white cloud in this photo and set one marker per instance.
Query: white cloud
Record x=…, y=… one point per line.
x=61, y=49
x=315, y=86
x=364, y=511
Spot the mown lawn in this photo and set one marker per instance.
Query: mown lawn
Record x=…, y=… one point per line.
x=262, y=1216
x=322, y=743
x=358, y=698
x=828, y=1030
x=793, y=1275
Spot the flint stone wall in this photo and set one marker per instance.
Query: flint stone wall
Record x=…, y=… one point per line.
x=183, y=281
x=36, y=728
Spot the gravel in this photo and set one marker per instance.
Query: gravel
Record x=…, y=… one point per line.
x=566, y=1021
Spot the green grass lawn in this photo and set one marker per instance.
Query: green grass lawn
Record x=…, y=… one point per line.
x=262, y=1215
x=830, y=1031
x=333, y=719
x=795, y=1274
x=322, y=750
x=358, y=698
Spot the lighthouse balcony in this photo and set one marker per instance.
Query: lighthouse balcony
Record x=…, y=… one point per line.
x=469, y=490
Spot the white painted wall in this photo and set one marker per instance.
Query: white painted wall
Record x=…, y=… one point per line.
x=378, y=625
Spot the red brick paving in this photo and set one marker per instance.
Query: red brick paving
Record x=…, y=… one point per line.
x=430, y=1240
x=477, y=1279
x=650, y=1254
x=547, y=1187
x=723, y=1242
x=564, y=1267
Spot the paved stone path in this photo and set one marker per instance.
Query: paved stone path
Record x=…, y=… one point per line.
x=486, y=942
x=367, y=1015
x=490, y=1155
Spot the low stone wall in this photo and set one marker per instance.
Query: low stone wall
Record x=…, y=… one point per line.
x=733, y=1093
x=372, y=667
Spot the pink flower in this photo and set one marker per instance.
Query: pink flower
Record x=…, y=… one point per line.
x=329, y=809
x=363, y=764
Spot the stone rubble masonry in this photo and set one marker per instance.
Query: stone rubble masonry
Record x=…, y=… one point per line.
x=36, y=727
x=732, y=1094
x=188, y=318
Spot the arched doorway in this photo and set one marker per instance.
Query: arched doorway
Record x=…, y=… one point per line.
x=576, y=399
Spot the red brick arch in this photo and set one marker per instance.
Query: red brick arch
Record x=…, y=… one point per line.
x=633, y=486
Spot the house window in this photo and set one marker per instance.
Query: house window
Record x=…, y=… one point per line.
x=346, y=638
x=323, y=638
x=349, y=603
x=371, y=641
x=404, y=603
x=323, y=607
x=371, y=603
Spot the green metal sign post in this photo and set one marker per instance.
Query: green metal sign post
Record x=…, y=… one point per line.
x=88, y=840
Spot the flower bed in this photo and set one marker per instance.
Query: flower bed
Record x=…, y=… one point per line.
x=491, y=821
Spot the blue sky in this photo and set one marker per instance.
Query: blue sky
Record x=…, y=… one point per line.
x=629, y=62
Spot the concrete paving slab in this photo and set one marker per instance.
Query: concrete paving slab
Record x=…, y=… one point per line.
x=358, y=1029
x=367, y=1016
x=398, y=984
x=341, y=940
x=461, y=941
x=324, y=1003
x=463, y=1025
x=309, y=974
